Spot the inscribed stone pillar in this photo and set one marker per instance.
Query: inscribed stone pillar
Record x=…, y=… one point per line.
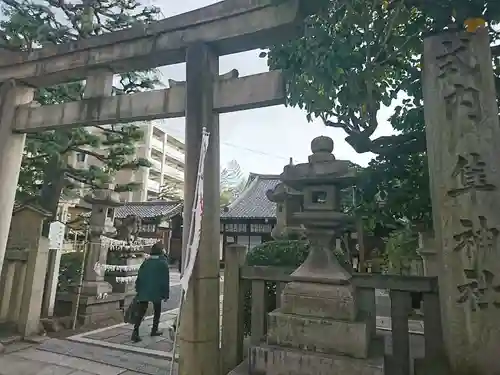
x=199, y=328
x=463, y=134
x=11, y=152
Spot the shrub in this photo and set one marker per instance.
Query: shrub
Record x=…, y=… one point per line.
x=401, y=251
x=70, y=270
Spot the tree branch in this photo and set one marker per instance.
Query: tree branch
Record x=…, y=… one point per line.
x=412, y=142
x=99, y=157
x=340, y=125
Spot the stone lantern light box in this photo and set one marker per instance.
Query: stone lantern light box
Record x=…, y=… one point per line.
x=321, y=181
x=103, y=201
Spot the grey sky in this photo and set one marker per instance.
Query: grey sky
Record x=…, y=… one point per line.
x=261, y=140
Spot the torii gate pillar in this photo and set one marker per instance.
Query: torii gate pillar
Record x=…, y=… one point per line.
x=199, y=327
x=11, y=154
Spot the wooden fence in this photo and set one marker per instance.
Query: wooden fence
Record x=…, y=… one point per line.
x=239, y=278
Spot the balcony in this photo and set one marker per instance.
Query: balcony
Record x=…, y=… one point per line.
x=175, y=154
x=153, y=186
x=155, y=164
x=173, y=173
x=157, y=144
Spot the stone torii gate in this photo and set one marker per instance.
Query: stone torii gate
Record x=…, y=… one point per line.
x=197, y=38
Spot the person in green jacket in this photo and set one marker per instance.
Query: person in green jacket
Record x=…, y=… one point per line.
x=152, y=285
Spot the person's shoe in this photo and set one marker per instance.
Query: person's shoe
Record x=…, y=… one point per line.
x=156, y=332
x=136, y=337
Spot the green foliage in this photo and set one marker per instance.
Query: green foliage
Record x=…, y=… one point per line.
x=401, y=250
x=358, y=57
x=70, y=270
x=46, y=169
x=284, y=253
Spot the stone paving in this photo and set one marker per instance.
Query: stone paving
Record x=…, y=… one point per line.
x=118, y=337
x=62, y=357
x=109, y=351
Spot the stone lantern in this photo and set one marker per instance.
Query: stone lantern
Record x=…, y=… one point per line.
x=288, y=202
x=320, y=182
x=317, y=329
x=103, y=201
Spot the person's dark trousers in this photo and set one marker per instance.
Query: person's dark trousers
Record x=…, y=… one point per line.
x=142, y=307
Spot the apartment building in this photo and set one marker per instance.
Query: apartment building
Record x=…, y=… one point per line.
x=166, y=154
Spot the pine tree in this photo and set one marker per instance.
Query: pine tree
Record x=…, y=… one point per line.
x=45, y=172
x=232, y=182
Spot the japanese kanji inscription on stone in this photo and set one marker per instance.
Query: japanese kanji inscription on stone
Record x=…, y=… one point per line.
x=470, y=174
x=458, y=74
x=463, y=134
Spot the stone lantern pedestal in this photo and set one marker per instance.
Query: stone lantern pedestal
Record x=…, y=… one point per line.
x=97, y=302
x=317, y=330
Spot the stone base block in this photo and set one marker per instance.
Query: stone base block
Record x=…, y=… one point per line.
x=319, y=300
x=93, y=313
x=91, y=310
x=273, y=360
x=319, y=334
x=96, y=288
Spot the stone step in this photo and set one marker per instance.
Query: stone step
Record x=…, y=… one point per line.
x=274, y=360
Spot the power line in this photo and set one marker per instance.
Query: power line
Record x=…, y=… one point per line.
x=178, y=134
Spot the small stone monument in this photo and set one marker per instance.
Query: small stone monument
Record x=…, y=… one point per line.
x=288, y=202
x=317, y=329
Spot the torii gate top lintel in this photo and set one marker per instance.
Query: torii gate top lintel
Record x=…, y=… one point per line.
x=229, y=26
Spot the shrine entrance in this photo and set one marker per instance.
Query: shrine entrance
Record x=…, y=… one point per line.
x=197, y=38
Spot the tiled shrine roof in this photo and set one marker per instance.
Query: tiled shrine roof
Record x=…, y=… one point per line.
x=31, y=204
x=148, y=210
x=252, y=202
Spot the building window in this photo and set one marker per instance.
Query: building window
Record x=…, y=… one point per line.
x=148, y=228
x=80, y=157
x=260, y=228
x=237, y=228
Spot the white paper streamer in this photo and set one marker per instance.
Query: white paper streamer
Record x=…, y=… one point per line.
x=126, y=279
x=196, y=218
x=101, y=268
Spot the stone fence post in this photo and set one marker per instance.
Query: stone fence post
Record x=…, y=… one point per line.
x=34, y=282
x=232, y=310
x=427, y=250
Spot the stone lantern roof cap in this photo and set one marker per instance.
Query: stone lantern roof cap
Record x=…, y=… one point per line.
x=322, y=168
x=106, y=196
